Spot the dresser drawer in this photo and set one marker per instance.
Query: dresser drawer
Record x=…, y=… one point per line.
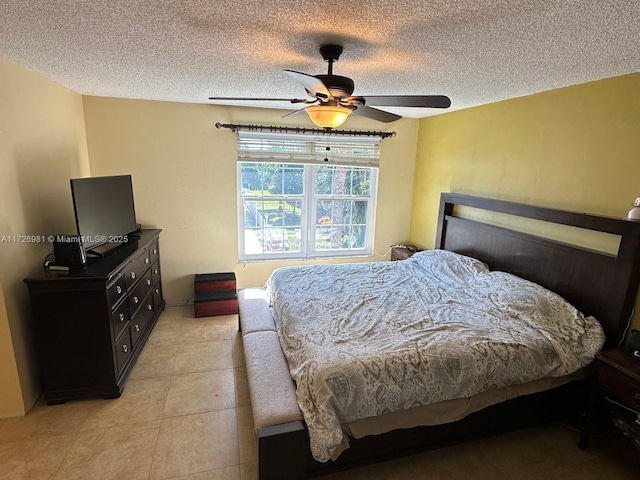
x=120, y=318
x=116, y=290
x=625, y=388
x=139, y=292
x=136, y=268
x=154, y=251
x=157, y=296
x=141, y=318
x=155, y=271
x=136, y=331
x=123, y=349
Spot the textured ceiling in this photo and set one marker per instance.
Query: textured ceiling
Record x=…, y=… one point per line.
x=473, y=51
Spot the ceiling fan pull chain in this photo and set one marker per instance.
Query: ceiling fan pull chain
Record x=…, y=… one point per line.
x=328, y=147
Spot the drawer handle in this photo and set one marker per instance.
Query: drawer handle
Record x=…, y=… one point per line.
x=135, y=299
x=125, y=349
x=158, y=291
x=121, y=317
x=118, y=289
x=136, y=327
x=133, y=275
x=148, y=282
x=149, y=307
x=155, y=251
x=146, y=259
x=155, y=270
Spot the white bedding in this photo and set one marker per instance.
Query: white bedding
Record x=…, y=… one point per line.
x=366, y=339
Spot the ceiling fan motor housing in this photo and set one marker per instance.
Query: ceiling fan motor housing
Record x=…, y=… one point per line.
x=338, y=86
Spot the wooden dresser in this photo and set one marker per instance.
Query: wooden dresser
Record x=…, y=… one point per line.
x=91, y=326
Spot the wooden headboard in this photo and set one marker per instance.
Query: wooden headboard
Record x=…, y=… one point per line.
x=598, y=284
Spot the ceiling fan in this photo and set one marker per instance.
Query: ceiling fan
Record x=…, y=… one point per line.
x=332, y=101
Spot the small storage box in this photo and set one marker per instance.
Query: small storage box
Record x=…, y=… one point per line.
x=215, y=282
x=215, y=294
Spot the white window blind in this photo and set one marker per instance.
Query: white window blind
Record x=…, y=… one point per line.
x=308, y=149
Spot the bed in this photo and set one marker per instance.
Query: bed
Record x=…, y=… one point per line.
x=601, y=286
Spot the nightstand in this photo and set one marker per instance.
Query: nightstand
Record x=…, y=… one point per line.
x=614, y=412
x=402, y=252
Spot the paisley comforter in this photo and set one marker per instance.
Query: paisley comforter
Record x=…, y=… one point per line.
x=366, y=339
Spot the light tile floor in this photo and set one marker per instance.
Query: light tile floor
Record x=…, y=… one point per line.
x=185, y=413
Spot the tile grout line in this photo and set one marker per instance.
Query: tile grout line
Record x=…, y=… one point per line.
x=71, y=444
x=164, y=407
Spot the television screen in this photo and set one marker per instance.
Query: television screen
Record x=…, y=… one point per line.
x=104, y=209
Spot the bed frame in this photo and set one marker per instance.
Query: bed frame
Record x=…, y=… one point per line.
x=598, y=284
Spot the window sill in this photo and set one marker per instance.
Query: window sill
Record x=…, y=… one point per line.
x=304, y=259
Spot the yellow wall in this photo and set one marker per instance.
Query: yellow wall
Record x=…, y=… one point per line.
x=184, y=176
x=42, y=145
x=575, y=148
x=11, y=403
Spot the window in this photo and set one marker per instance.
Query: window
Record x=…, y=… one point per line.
x=295, y=205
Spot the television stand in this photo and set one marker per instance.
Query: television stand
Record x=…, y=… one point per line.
x=105, y=249
x=91, y=326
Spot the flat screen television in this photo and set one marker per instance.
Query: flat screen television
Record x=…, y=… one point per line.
x=105, y=212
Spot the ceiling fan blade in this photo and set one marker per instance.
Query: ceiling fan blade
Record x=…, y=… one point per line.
x=429, y=101
x=313, y=85
x=242, y=99
x=376, y=114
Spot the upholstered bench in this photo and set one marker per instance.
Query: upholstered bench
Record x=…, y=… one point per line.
x=254, y=311
x=273, y=394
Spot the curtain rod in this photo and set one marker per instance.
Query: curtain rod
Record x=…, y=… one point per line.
x=236, y=127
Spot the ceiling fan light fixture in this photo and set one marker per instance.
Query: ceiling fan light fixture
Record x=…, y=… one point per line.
x=328, y=116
